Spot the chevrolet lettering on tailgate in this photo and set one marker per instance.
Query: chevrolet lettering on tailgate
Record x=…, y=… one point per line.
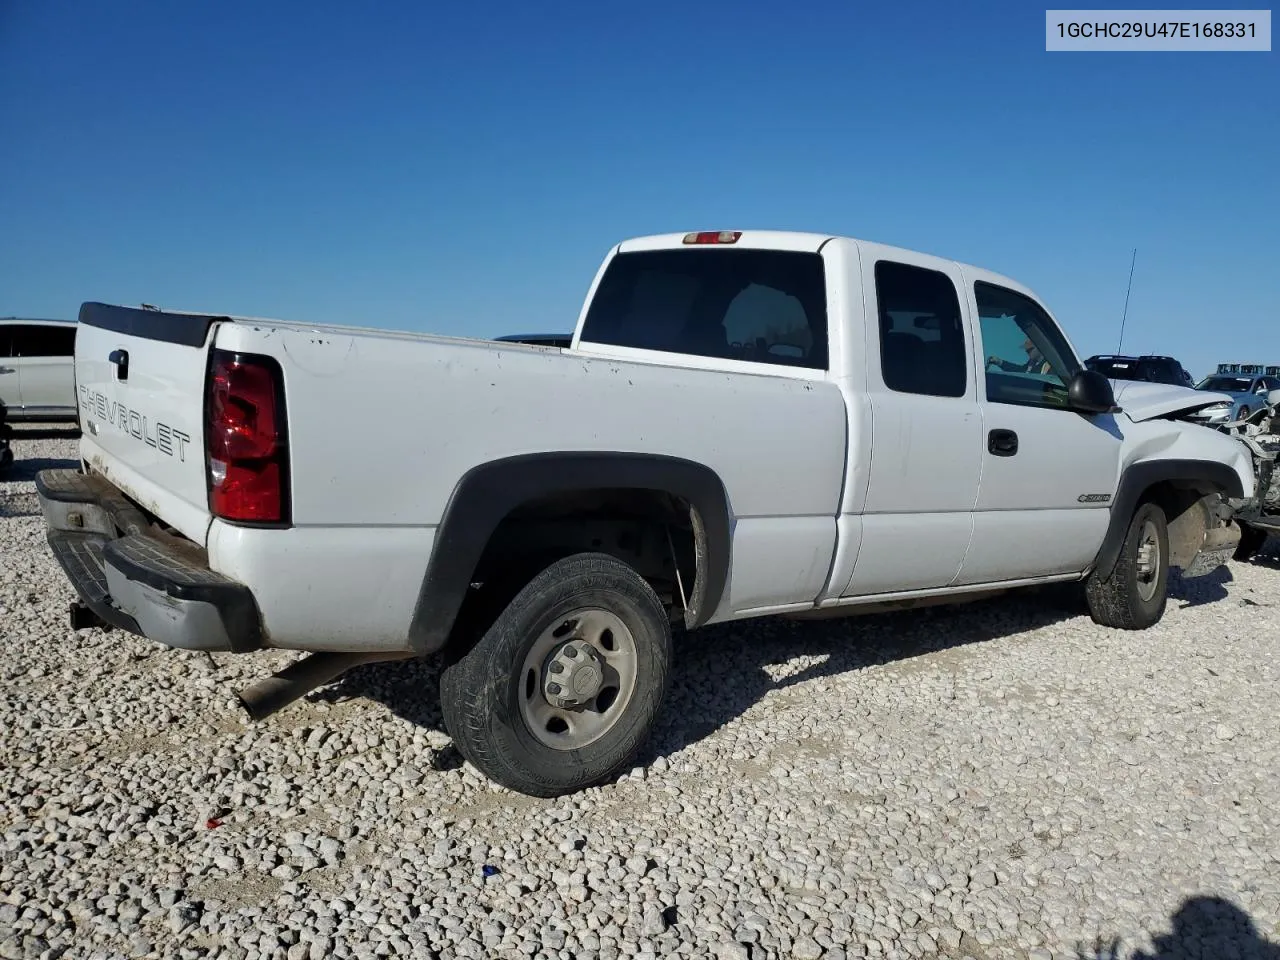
x=168, y=440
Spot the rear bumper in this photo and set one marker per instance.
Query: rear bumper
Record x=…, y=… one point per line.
x=135, y=578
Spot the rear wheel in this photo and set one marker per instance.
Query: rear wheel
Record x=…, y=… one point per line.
x=1251, y=541
x=1133, y=597
x=564, y=685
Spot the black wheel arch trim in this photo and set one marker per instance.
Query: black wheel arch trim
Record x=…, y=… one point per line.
x=487, y=493
x=1209, y=476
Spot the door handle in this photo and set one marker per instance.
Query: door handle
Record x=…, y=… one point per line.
x=121, y=359
x=7, y=370
x=1002, y=443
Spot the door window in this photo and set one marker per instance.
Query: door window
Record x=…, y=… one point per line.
x=1028, y=360
x=37, y=340
x=921, y=333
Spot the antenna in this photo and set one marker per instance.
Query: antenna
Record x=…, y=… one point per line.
x=1125, y=315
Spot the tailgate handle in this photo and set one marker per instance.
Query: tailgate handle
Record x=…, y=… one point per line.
x=121, y=359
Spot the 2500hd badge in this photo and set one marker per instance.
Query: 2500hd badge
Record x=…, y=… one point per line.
x=168, y=440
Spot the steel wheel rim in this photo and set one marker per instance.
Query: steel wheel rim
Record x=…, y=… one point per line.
x=614, y=648
x=1148, y=561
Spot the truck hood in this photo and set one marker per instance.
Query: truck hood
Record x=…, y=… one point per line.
x=1147, y=401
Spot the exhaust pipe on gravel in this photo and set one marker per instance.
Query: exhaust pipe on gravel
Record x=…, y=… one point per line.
x=277, y=691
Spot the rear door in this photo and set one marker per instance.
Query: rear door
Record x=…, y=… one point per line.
x=926, y=455
x=140, y=376
x=44, y=354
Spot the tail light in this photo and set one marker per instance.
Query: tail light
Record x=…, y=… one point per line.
x=713, y=236
x=246, y=441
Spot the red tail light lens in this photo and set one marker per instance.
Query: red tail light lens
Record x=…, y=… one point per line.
x=246, y=440
x=713, y=236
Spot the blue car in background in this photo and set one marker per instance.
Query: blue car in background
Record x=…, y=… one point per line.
x=1248, y=392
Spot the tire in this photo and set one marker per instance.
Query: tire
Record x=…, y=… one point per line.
x=6, y=459
x=1127, y=600
x=1251, y=541
x=495, y=693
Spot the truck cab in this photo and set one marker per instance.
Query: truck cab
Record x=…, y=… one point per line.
x=976, y=449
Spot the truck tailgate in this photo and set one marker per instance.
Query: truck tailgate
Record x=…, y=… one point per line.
x=140, y=384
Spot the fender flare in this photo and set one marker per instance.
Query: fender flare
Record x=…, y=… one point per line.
x=1207, y=476
x=487, y=493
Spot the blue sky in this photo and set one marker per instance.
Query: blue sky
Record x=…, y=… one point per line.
x=422, y=166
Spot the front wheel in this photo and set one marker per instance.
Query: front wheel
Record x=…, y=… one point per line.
x=563, y=687
x=1133, y=597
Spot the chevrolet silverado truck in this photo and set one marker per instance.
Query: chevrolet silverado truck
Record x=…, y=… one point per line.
x=743, y=424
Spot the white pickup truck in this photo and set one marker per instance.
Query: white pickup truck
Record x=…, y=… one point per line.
x=743, y=424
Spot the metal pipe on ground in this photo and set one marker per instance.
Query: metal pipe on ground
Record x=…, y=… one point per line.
x=277, y=691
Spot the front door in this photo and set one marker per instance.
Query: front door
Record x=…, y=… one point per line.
x=1048, y=473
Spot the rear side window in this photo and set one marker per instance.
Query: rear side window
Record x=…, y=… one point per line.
x=921, y=335
x=36, y=340
x=766, y=306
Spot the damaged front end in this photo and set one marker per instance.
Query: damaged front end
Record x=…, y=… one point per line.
x=1223, y=527
x=1259, y=515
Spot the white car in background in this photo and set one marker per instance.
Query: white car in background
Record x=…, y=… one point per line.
x=37, y=372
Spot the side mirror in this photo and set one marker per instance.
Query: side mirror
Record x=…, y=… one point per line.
x=1090, y=392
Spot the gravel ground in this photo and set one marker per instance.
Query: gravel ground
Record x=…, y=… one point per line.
x=1002, y=779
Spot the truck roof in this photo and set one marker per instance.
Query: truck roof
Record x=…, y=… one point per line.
x=804, y=241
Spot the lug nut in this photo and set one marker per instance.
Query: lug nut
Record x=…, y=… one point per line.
x=553, y=688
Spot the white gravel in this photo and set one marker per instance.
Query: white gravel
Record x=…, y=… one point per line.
x=987, y=781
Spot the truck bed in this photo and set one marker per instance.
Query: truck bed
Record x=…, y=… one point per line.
x=383, y=425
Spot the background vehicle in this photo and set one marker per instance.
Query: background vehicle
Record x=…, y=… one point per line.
x=1258, y=516
x=1246, y=394
x=1149, y=368
x=6, y=437
x=745, y=424
x=37, y=379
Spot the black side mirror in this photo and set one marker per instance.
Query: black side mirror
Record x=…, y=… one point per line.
x=1090, y=392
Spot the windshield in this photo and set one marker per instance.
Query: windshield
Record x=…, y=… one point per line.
x=1227, y=384
x=1115, y=369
